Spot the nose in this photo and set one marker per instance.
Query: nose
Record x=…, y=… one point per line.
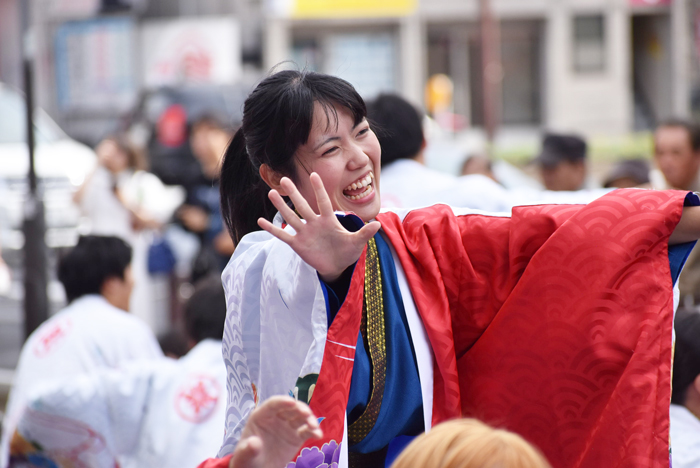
x=664, y=161
x=357, y=158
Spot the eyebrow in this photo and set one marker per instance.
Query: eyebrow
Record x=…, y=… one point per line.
x=336, y=138
x=326, y=141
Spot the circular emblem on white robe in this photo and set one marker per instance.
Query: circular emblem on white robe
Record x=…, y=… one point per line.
x=197, y=398
x=49, y=338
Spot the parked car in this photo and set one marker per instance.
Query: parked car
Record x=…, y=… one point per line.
x=61, y=165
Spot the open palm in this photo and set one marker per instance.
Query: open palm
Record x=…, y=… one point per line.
x=320, y=239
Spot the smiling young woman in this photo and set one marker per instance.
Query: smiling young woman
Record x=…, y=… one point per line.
x=443, y=312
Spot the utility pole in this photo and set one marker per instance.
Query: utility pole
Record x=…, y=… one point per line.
x=491, y=69
x=35, y=262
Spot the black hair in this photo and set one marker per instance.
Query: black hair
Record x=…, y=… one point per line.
x=398, y=125
x=277, y=119
x=686, y=359
x=84, y=269
x=691, y=128
x=213, y=120
x=205, y=310
x=173, y=343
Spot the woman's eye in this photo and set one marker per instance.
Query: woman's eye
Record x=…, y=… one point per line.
x=364, y=131
x=329, y=151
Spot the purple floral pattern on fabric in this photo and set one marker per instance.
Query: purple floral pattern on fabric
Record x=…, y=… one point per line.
x=327, y=457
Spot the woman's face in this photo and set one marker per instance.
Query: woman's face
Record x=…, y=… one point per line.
x=347, y=158
x=112, y=157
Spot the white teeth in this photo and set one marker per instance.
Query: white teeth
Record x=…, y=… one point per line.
x=362, y=183
x=362, y=195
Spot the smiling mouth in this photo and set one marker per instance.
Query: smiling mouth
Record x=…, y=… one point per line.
x=361, y=188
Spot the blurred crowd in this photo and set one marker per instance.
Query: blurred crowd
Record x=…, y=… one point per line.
x=148, y=240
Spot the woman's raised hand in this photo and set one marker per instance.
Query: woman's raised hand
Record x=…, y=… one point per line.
x=320, y=239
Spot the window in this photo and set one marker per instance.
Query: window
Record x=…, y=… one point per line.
x=589, y=43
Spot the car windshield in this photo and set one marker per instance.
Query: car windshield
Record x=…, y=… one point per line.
x=12, y=121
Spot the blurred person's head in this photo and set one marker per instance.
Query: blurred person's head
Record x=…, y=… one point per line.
x=209, y=137
x=677, y=152
x=562, y=162
x=98, y=265
x=399, y=128
x=686, y=361
x=205, y=311
x=117, y=153
x=628, y=173
x=468, y=443
x=294, y=124
x=173, y=343
x=477, y=163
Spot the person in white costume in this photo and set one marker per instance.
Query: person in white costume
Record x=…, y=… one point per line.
x=408, y=183
x=167, y=412
x=685, y=399
x=94, y=331
x=120, y=198
x=307, y=298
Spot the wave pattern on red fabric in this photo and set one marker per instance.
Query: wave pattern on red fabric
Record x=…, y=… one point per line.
x=555, y=323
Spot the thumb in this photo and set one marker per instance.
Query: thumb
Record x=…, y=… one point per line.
x=368, y=231
x=246, y=452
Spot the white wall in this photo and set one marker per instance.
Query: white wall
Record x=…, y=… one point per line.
x=592, y=103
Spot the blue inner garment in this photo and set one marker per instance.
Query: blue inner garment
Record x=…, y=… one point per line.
x=401, y=413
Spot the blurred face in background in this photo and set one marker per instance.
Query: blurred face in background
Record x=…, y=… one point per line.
x=112, y=157
x=208, y=146
x=565, y=176
x=675, y=157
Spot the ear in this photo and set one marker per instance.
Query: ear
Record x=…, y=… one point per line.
x=107, y=286
x=272, y=178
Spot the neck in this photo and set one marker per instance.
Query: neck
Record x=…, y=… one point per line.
x=419, y=158
x=692, y=401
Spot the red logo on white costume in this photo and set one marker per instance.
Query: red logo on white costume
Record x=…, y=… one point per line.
x=48, y=339
x=197, y=398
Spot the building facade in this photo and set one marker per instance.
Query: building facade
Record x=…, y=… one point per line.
x=593, y=66
x=598, y=67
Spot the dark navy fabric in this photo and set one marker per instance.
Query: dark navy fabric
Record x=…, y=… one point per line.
x=677, y=255
x=401, y=413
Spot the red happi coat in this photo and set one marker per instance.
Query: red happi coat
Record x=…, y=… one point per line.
x=555, y=323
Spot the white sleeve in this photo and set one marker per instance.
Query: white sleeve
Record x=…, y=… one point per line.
x=142, y=342
x=275, y=327
x=112, y=404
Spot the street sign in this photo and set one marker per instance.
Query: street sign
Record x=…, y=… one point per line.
x=191, y=51
x=95, y=68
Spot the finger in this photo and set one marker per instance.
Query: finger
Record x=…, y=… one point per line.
x=300, y=203
x=296, y=416
x=367, y=232
x=276, y=231
x=287, y=213
x=279, y=402
x=245, y=453
x=325, y=207
x=306, y=432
